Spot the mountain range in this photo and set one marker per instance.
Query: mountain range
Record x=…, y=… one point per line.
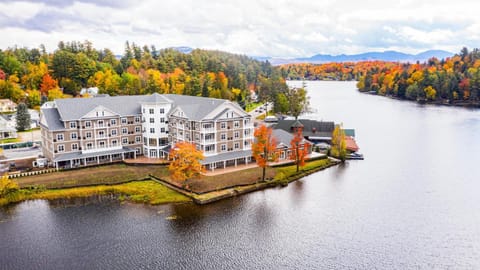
x=392, y=56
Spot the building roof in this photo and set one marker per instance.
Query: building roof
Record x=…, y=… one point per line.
x=311, y=128
x=351, y=145
x=284, y=137
x=79, y=155
x=52, y=119
x=195, y=108
x=227, y=156
x=75, y=108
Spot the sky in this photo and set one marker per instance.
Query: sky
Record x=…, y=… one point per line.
x=275, y=28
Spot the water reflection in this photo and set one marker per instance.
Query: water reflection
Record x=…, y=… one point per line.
x=412, y=203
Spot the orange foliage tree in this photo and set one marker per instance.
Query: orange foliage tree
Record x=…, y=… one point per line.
x=299, y=148
x=186, y=161
x=264, y=146
x=47, y=84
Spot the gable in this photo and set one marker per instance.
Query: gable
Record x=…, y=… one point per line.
x=178, y=112
x=100, y=111
x=226, y=111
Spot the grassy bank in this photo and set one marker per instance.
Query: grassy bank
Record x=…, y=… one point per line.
x=146, y=191
x=108, y=174
x=289, y=173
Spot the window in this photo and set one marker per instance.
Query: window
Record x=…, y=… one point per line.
x=152, y=130
x=124, y=140
x=114, y=143
x=237, y=134
x=137, y=129
x=73, y=136
x=100, y=123
x=113, y=132
x=143, y=110
x=61, y=148
x=236, y=145
x=162, y=110
x=101, y=133
x=101, y=144
x=73, y=124
x=59, y=137
x=223, y=136
x=137, y=150
x=89, y=146
x=152, y=120
x=162, y=130
x=223, y=125
x=137, y=119
x=88, y=135
x=88, y=124
x=223, y=147
x=74, y=146
x=247, y=132
x=124, y=130
x=236, y=124
x=113, y=122
x=209, y=148
x=162, y=120
x=124, y=121
x=138, y=139
x=151, y=111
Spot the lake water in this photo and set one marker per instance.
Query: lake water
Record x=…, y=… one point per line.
x=413, y=203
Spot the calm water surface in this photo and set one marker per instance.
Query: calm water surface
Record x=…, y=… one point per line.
x=413, y=203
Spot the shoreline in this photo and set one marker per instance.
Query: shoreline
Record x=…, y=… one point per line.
x=142, y=190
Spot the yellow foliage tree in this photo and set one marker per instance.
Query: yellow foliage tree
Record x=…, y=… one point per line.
x=339, y=145
x=430, y=92
x=7, y=186
x=186, y=161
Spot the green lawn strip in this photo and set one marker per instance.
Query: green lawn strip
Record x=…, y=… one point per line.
x=138, y=191
x=289, y=173
x=9, y=140
x=252, y=106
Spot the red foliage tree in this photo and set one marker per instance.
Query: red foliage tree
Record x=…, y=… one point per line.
x=263, y=148
x=299, y=147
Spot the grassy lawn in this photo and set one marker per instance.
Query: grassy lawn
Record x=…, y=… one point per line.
x=109, y=174
x=252, y=106
x=289, y=173
x=213, y=183
x=139, y=191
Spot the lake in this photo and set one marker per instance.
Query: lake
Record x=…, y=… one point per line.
x=413, y=203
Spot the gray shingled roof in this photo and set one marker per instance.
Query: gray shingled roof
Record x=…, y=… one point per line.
x=284, y=137
x=311, y=128
x=52, y=119
x=195, y=108
x=75, y=108
x=227, y=156
x=79, y=155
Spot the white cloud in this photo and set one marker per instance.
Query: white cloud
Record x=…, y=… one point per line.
x=255, y=27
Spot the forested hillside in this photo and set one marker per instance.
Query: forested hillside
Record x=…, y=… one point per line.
x=34, y=76
x=454, y=80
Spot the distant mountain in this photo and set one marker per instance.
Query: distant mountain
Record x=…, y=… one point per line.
x=183, y=49
x=369, y=56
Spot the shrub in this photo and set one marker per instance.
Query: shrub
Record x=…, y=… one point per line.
x=7, y=186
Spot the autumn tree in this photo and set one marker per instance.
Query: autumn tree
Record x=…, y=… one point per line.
x=23, y=117
x=339, y=145
x=186, y=161
x=299, y=148
x=298, y=100
x=7, y=186
x=47, y=84
x=263, y=148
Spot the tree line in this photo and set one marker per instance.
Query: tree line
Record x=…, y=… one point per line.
x=454, y=80
x=35, y=76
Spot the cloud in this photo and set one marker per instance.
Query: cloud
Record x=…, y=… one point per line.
x=277, y=28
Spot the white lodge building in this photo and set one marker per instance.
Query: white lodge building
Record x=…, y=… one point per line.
x=89, y=131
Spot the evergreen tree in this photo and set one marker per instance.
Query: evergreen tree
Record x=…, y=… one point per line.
x=23, y=117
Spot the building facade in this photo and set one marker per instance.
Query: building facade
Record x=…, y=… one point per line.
x=89, y=131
